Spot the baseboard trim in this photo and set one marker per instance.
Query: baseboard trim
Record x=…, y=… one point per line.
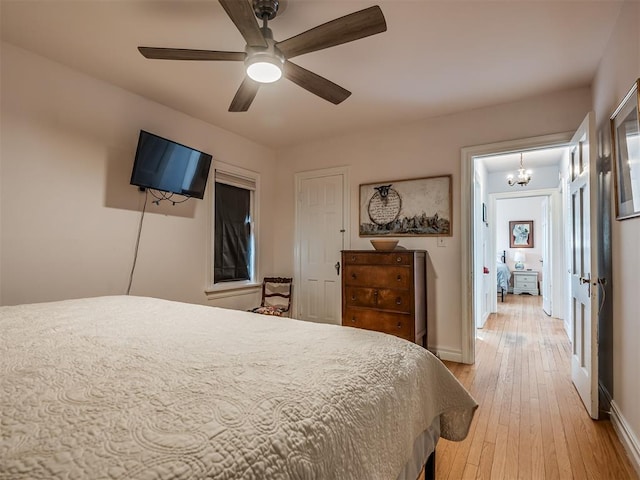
x=448, y=355
x=626, y=435
x=485, y=317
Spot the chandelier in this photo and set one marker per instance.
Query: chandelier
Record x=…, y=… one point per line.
x=523, y=178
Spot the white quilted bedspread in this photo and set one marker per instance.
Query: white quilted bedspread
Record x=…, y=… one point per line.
x=131, y=387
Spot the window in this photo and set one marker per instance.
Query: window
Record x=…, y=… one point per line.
x=232, y=251
x=234, y=228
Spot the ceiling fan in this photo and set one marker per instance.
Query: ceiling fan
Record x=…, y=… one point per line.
x=266, y=60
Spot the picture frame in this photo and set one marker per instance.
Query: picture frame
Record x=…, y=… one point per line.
x=411, y=207
x=521, y=234
x=625, y=154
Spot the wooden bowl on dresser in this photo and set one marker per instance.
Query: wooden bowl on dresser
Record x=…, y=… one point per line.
x=384, y=245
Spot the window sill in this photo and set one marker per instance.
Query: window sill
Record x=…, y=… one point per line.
x=231, y=289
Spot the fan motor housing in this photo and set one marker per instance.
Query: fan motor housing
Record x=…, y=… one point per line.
x=265, y=8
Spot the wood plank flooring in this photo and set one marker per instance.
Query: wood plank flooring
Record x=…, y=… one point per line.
x=531, y=423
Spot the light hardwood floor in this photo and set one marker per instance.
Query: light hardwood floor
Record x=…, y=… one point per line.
x=530, y=423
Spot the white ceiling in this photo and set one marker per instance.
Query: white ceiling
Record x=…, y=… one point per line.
x=437, y=57
x=510, y=162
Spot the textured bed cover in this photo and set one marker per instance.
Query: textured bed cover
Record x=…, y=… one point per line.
x=133, y=387
x=503, y=275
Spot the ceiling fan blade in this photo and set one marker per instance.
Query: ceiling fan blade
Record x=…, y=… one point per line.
x=244, y=96
x=241, y=14
x=187, y=54
x=315, y=83
x=336, y=32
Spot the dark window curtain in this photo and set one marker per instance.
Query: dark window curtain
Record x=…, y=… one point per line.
x=232, y=234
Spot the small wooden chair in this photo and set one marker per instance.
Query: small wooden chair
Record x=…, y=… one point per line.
x=276, y=296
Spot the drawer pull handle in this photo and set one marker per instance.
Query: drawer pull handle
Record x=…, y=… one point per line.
x=353, y=297
x=353, y=275
x=398, y=259
x=399, y=278
x=399, y=325
x=353, y=319
x=375, y=293
x=399, y=301
x=353, y=259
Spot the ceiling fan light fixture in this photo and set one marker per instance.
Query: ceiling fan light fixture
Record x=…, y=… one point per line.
x=266, y=61
x=264, y=69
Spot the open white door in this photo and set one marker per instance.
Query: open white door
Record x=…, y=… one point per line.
x=583, y=265
x=478, y=256
x=320, y=227
x=545, y=260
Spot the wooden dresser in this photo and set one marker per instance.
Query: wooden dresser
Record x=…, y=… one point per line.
x=386, y=292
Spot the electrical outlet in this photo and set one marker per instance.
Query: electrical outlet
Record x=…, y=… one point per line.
x=442, y=241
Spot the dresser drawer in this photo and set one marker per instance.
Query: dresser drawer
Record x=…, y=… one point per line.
x=371, y=258
x=380, y=298
x=398, y=324
x=531, y=279
x=375, y=276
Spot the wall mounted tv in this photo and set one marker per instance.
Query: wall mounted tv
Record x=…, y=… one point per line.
x=168, y=166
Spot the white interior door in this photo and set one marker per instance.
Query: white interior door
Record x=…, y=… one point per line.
x=583, y=265
x=320, y=233
x=545, y=260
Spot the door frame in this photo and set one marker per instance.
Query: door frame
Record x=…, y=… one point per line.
x=346, y=201
x=478, y=281
x=466, y=223
x=548, y=257
x=553, y=195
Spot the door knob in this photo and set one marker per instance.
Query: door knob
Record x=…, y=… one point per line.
x=337, y=265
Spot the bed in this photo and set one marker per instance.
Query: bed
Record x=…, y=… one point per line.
x=503, y=275
x=135, y=387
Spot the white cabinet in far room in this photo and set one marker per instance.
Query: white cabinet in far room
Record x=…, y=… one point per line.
x=525, y=281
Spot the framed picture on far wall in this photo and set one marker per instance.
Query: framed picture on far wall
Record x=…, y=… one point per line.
x=521, y=234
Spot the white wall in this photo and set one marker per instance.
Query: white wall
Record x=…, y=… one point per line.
x=619, y=68
x=69, y=215
x=430, y=147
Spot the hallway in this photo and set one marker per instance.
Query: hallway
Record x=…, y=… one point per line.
x=531, y=423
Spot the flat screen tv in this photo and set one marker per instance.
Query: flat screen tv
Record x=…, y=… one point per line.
x=168, y=166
